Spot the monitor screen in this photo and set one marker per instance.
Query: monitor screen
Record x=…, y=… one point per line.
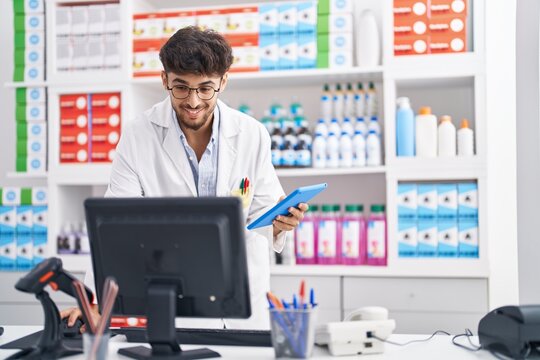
x=196, y=243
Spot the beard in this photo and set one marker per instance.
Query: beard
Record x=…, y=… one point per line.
x=194, y=118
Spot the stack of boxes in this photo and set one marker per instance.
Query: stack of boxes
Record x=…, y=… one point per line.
x=30, y=115
x=23, y=228
x=334, y=33
x=29, y=26
x=89, y=127
x=429, y=26
x=438, y=220
x=87, y=37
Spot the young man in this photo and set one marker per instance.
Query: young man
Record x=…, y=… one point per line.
x=192, y=144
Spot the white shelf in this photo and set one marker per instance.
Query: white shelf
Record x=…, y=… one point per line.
x=414, y=267
x=23, y=84
x=25, y=175
x=435, y=66
x=80, y=174
x=330, y=172
x=436, y=168
x=293, y=77
x=76, y=263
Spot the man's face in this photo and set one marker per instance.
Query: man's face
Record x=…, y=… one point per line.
x=192, y=112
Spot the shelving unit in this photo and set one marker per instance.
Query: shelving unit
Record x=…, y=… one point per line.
x=466, y=74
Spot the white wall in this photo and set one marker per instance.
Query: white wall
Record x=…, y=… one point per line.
x=528, y=148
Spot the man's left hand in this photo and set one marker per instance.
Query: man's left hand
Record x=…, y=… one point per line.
x=291, y=221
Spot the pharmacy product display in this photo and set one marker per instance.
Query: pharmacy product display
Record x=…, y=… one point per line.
x=430, y=26
x=29, y=40
x=87, y=36
x=31, y=116
x=438, y=220
x=89, y=127
x=73, y=239
x=329, y=237
x=23, y=227
x=264, y=37
x=421, y=136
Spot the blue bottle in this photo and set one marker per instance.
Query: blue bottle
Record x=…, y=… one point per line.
x=405, y=128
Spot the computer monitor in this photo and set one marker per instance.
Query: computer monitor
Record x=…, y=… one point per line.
x=171, y=257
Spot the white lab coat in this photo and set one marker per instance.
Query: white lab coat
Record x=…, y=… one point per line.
x=150, y=161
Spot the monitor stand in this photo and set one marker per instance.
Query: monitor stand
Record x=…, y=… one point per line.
x=161, y=330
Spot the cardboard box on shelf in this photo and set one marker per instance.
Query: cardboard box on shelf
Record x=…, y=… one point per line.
x=28, y=6
x=268, y=52
x=287, y=18
x=148, y=26
x=31, y=95
x=411, y=45
x=306, y=17
x=334, y=42
x=29, y=73
x=410, y=8
x=31, y=112
x=79, y=52
x=27, y=39
x=444, y=7
x=335, y=23
x=31, y=130
x=243, y=21
x=307, y=51
x=29, y=22
x=96, y=51
x=268, y=19
x=245, y=52
x=105, y=101
x=63, y=20
x=174, y=21
x=30, y=56
x=74, y=102
x=334, y=60
x=112, y=56
x=334, y=6
x=288, y=52
x=215, y=19
x=32, y=147
x=442, y=43
x=146, y=58
x=31, y=164
x=96, y=19
x=112, y=18
x=79, y=20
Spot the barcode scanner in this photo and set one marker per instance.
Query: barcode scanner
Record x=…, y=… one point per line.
x=49, y=272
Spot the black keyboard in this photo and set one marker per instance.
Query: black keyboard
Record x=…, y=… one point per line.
x=206, y=336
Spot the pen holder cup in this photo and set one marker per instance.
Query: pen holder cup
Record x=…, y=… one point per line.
x=293, y=332
x=93, y=351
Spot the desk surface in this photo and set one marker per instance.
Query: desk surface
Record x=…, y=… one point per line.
x=440, y=347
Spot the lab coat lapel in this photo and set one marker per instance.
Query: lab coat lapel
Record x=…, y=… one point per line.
x=177, y=154
x=228, y=136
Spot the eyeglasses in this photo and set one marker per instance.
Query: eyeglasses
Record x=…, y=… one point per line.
x=181, y=92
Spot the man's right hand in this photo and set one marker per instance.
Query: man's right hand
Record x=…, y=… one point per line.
x=75, y=313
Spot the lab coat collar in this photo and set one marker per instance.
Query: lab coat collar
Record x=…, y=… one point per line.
x=228, y=130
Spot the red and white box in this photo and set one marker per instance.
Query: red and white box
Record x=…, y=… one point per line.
x=104, y=141
x=74, y=102
x=410, y=25
x=242, y=20
x=448, y=7
x=215, y=19
x=109, y=101
x=245, y=50
x=174, y=21
x=146, y=58
x=148, y=26
x=411, y=45
x=73, y=145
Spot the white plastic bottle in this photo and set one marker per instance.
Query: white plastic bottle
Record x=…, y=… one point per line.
x=368, y=48
x=349, y=102
x=326, y=103
x=345, y=150
x=334, y=127
x=332, y=151
x=374, y=125
x=446, y=137
x=321, y=128
x=361, y=126
x=347, y=127
x=318, y=151
x=465, y=139
x=339, y=101
x=359, y=149
x=373, y=145
x=426, y=133
x=360, y=100
x=371, y=100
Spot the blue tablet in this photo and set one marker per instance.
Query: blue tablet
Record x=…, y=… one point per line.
x=300, y=195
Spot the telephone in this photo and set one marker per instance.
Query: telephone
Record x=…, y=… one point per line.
x=355, y=334
x=513, y=331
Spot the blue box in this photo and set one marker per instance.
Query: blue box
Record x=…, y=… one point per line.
x=427, y=238
x=407, y=238
x=8, y=251
x=427, y=201
x=448, y=201
x=25, y=251
x=288, y=52
x=468, y=201
x=287, y=18
x=268, y=52
x=8, y=219
x=268, y=19
x=448, y=238
x=468, y=238
x=407, y=202
x=40, y=248
x=306, y=17
x=307, y=51
x=24, y=219
x=39, y=219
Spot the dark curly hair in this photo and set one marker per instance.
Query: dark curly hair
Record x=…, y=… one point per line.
x=194, y=51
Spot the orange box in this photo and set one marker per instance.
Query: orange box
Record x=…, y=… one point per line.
x=448, y=7
x=74, y=119
x=102, y=152
x=73, y=136
x=73, y=102
x=108, y=118
x=411, y=45
x=410, y=25
x=448, y=25
x=404, y=8
x=79, y=156
x=446, y=43
x=105, y=101
x=105, y=135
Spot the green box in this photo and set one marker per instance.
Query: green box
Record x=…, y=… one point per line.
x=22, y=147
x=323, y=42
x=18, y=73
x=323, y=60
x=26, y=196
x=20, y=40
x=20, y=56
x=18, y=6
x=323, y=24
x=20, y=113
x=22, y=130
x=323, y=7
x=20, y=95
x=19, y=23
x=21, y=164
